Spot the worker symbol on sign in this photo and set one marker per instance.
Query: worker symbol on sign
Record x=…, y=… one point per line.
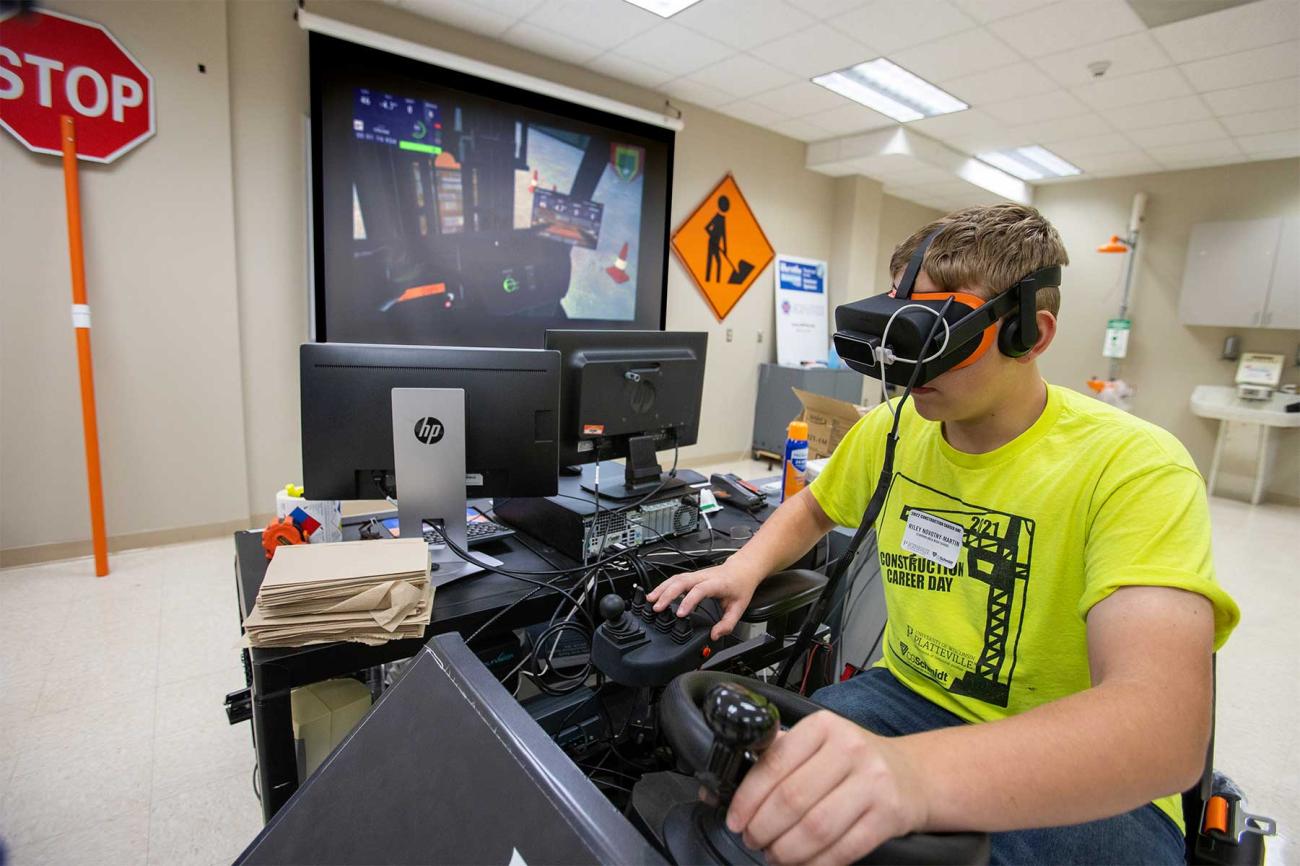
x=717, y=231
x=722, y=231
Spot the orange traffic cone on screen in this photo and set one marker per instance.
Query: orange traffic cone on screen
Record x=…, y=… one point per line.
x=618, y=270
x=532, y=184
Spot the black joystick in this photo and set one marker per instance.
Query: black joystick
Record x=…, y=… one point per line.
x=743, y=725
x=638, y=601
x=665, y=619
x=619, y=626
x=682, y=629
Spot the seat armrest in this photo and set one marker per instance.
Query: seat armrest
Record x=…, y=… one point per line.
x=782, y=593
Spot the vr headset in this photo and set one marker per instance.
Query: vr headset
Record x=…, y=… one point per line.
x=885, y=335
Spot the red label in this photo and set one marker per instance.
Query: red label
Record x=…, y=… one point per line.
x=53, y=64
x=593, y=429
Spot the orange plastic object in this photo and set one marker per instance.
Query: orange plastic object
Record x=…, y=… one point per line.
x=1114, y=245
x=1097, y=385
x=89, y=423
x=706, y=652
x=280, y=532
x=1216, y=815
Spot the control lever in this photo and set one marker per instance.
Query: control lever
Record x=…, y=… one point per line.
x=743, y=725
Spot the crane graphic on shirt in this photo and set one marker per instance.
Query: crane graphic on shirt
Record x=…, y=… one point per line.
x=996, y=553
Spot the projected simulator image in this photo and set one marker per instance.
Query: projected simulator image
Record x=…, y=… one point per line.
x=477, y=214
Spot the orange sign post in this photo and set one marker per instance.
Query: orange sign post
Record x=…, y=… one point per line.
x=723, y=247
x=81, y=323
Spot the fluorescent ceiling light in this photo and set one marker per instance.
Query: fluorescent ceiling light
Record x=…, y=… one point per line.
x=891, y=90
x=1030, y=163
x=663, y=8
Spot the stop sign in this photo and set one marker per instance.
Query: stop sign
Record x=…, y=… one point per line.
x=53, y=64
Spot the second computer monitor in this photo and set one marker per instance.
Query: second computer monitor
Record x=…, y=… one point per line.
x=628, y=394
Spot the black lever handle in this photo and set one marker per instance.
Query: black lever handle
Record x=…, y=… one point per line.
x=743, y=725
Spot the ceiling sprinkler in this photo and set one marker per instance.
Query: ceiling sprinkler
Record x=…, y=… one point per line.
x=1098, y=68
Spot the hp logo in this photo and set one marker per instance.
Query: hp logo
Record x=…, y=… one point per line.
x=429, y=431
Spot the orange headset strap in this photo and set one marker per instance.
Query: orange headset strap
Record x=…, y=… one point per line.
x=987, y=339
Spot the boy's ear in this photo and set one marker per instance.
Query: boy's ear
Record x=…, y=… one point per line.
x=1046, y=333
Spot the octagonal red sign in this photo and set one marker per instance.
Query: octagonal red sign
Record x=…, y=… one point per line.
x=53, y=64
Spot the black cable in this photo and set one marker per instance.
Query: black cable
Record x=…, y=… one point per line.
x=872, y=512
x=569, y=683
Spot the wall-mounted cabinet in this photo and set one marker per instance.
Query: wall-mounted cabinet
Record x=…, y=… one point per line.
x=1243, y=274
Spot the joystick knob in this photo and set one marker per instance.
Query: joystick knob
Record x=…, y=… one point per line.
x=682, y=630
x=638, y=601
x=665, y=619
x=743, y=724
x=611, y=609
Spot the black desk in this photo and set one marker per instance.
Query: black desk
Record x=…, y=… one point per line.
x=460, y=607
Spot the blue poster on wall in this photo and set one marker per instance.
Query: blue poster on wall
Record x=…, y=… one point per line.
x=801, y=305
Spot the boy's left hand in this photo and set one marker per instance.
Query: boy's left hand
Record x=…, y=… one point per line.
x=827, y=791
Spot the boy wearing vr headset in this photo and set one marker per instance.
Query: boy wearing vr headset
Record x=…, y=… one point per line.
x=1052, y=609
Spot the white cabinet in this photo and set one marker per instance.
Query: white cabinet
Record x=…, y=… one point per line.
x=1242, y=274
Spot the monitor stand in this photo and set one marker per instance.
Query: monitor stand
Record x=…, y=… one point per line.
x=429, y=459
x=642, y=473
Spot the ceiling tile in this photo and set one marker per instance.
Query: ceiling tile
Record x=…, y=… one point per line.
x=827, y=8
x=633, y=71
x=850, y=118
x=1289, y=153
x=1149, y=86
x=891, y=25
x=752, y=112
x=1127, y=55
x=1178, y=133
x=802, y=129
x=1180, y=154
x=973, y=121
x=956, y=55
x=700, y=94
x=1152, y=114
x=541, y=41
x=811, y=52
x=1269, y=142
x=674, y=49
x=1091, y=145
x=458, y=13
x=1066, y=25
x=1274, y=120
x=1245, y=67
x=1128, y=161
x=799, y=99
x=595, y=22
x=743, y=23
x=998, y=85
x=741, y=76
x=1231, y=30
x=1043, y=106
x=985, y=11
x=1255, y=97
x=1063, y=128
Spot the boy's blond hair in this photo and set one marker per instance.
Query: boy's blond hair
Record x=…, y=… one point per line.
x=987, y=250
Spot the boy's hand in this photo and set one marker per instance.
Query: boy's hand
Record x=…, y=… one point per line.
x=728, y=583
x=827, y=792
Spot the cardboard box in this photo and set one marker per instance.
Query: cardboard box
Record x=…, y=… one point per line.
x=828, y=421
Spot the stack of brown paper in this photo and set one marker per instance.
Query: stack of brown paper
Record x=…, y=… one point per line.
x=364, y=591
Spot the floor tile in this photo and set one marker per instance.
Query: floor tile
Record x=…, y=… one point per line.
x=197, y=757
x=119, y=841
x=206, y=825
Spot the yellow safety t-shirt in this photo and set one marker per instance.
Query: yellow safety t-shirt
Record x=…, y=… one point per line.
x=991, y=562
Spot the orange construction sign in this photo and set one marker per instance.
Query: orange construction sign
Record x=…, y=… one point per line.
x=722, y=247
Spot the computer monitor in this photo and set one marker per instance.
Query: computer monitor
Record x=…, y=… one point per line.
x=628, y=394
x=511, y=411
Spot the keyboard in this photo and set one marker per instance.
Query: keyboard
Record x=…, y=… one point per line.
x=476, y=532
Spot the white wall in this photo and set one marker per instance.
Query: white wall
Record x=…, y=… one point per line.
x=1166, y=358
x=160, y=271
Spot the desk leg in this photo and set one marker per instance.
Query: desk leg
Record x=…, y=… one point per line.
x=277, y=763
x=1263, y=463
x=1218, y=453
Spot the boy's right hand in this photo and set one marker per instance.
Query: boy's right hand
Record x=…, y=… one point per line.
x=728, y=583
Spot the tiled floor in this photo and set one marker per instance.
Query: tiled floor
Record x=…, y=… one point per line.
x=114, y=748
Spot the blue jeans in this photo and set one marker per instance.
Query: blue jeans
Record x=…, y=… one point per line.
x=876, y=700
